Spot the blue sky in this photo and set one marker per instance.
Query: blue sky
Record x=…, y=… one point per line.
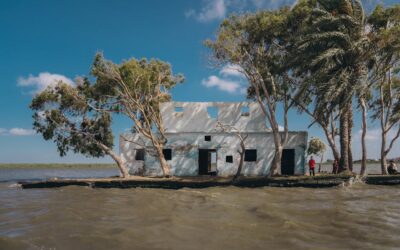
x=46, y=40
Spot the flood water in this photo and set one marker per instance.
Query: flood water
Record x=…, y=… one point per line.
x=355, y=217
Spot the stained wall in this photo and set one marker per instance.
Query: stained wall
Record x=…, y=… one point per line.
x=188, y=123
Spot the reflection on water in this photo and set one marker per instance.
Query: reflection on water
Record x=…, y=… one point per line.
x=356, y=217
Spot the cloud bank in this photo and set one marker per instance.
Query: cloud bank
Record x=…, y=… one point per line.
x=212, y=10
x=17, y=132
x=229, y=80
x=42, y=81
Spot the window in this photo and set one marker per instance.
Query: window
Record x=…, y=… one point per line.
x=213, y=112
x=139, y=156
x=207, y=138
x=179, y=109
x=250, y=155
x=245, y=111
x=229, y=159
x=167, y=152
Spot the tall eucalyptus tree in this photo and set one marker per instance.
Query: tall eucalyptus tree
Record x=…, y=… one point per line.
x=256, y=42
x=384, y=32
x=136, y=89
x=64, y=115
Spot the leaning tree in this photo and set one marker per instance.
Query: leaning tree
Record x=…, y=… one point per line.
x=62, y=113
x=137, y=88
x=384, y=25
x=255, y=42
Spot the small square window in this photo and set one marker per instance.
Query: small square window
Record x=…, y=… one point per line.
x=167, y=152
x=139, y=156
x=229, y=158
x=207, y=138
x=250, y=155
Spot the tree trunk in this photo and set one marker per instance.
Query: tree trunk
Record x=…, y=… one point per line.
x=320, y=162
x=383, y=154
x=239, y=170
x=364, y=133
x=276, y=163
x=350, y=127
x=164, y=165
x=344, y=139
x=124, y=172
x=331, y=142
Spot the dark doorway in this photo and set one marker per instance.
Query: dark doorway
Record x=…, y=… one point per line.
x=287, y=162
x=207, y=162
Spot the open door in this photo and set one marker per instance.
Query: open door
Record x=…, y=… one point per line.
x=212, y=156
x=207, y=162
x=288, y=162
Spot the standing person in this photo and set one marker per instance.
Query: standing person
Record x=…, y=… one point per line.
x=335, y=167
x=311, y=165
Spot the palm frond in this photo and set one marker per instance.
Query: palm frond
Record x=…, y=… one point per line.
x=334, y=55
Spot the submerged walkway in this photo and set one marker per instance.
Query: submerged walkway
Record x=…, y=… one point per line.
x=323, y=181
x=388, y=180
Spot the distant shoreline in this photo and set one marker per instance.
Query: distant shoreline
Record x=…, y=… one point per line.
x=57, y=165
x=358, y=162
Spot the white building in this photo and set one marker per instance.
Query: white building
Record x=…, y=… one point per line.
x=197, y=147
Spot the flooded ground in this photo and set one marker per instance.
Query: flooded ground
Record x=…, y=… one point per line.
x=356, y=217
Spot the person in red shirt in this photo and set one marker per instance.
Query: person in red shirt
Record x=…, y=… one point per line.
x=311, y=165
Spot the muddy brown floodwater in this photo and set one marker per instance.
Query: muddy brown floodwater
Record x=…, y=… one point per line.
x=355, y=217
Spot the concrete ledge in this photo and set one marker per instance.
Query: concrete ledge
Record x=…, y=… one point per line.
x=388, y=180
x=195, y=182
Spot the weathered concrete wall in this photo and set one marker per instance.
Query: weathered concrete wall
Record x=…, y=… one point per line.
x=187, y=123
x=185, y=148
x=194, y=117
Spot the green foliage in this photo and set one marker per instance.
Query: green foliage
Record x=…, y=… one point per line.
x=135, y=88
x=256, y=42
x=62, y=114
x=330, y=55
x=384, y=63
x=316, y=147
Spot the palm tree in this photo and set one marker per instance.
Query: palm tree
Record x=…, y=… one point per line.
x=330, y=55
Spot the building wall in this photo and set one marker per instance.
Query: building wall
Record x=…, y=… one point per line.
x=185, y=146
x=194, y=116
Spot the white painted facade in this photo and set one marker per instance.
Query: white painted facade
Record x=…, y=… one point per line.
x=187, y=124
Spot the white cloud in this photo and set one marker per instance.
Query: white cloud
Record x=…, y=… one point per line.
x=42, y=81
x=229, y=79
x=218, y=9
x=231, y=70
x=213, y=10
x=17, y=132
x=229, y=86
x=21, y=132
x=271, y=4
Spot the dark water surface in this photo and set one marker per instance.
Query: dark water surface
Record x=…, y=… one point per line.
x=355, y=217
